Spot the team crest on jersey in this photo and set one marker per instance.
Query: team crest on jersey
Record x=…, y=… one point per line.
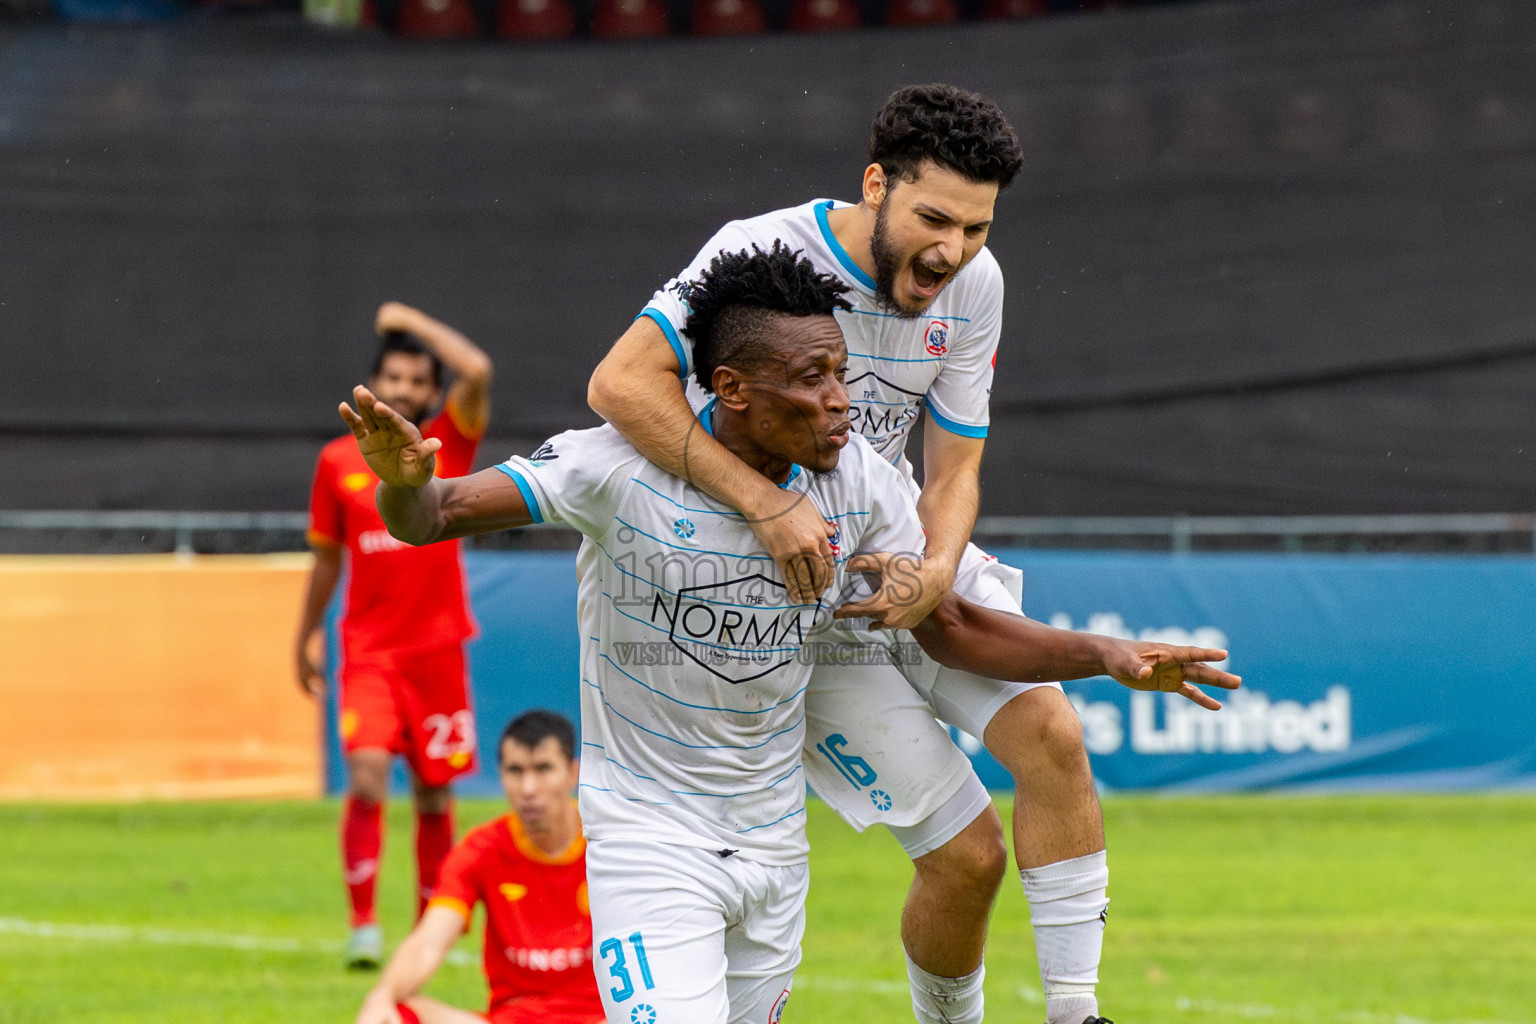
x=741, y=629
x=683, y=528
x=936, y=341
x=836, y=540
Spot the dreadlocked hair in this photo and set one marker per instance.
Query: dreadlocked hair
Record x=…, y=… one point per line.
x=733, y=304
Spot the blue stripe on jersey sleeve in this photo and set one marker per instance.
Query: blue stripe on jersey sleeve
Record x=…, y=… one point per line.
x=963, y=429
x=528, y=498
x=661, y=321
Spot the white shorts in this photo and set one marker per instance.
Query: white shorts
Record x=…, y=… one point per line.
x=874, y=750
x=965, y=699
x=684, y=936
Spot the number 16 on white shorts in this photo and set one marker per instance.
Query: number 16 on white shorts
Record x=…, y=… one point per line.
x=682, y=935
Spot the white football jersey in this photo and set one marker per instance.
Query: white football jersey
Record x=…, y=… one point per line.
x=693, y=662
x=942, y=359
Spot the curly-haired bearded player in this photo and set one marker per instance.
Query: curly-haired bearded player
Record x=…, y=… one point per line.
x=695, y=659
x=922, y=333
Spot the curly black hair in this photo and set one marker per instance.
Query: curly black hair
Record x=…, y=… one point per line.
x=732, y=305
x=958, y=129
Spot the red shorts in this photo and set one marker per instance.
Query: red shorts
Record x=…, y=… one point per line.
x=414, y=703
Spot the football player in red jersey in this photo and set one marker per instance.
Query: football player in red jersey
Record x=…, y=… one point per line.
x=403, y=687
x=529, y=869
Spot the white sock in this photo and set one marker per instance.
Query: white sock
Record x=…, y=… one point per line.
x=939, y=1000
x=1068, y=908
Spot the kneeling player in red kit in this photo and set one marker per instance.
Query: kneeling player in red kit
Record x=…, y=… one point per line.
x=529, y=869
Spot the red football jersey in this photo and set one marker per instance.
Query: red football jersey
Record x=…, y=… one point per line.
x=399, y=597
x=538, y=928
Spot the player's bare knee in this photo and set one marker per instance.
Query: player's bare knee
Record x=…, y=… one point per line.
x=1038, y=731
x=973, y=861
x=368, y=775
x=433, y=799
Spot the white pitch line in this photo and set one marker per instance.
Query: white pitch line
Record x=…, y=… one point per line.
x=459, y=957
x=169, y=937
x=882, y=988
x=1261, y=1011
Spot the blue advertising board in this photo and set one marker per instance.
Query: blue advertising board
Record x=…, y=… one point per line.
x=1361, y=672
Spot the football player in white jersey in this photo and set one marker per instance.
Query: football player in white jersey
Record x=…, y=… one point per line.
x=696, y=657
x=923, y=332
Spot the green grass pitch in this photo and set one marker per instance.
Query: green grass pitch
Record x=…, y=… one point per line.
x=1355, y=910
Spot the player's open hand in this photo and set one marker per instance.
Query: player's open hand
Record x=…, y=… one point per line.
x=1170, y=669
x=392, y=446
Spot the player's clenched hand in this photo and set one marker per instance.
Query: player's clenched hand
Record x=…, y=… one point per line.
x=910, y=589
x=311, y=679
x=1170, y=669
x=898, y=589
x=392, y=446
x=795, y=535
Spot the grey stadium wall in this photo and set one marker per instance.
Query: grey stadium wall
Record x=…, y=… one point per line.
x=1264, y=257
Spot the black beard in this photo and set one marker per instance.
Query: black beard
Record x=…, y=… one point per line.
x=887, y=266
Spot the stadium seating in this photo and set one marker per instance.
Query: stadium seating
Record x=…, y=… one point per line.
x=535, y=19
x=727, y=18
x=908, y=13
x=630, y=19
x=1007, y=10
x=824, y=15
x=437, y=19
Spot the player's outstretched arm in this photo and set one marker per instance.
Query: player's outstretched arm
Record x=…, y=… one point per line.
x=1000, y=645
x=414, y=962
x=418, y=507
x=636, y=388
x=469, y=398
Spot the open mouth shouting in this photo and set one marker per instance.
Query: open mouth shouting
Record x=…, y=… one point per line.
x=928, y=281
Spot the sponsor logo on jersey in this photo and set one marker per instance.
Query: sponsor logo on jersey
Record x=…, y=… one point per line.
x=548, y=959
x=545, y=453
x=512, y=891
x=684, y=528
x=868, y=384
x=936, y=341
x=357, y=481
x=372, y=542
x=740, y=629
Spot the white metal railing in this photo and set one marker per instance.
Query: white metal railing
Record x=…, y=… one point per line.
x=181, y=525
x=1179, y=533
